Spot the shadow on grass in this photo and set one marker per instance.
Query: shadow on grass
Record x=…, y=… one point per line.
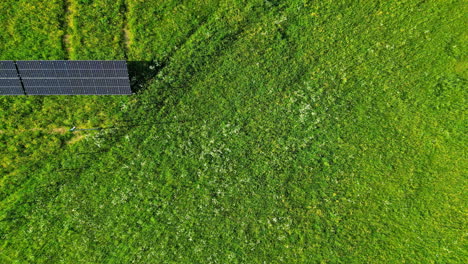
x=141, y=72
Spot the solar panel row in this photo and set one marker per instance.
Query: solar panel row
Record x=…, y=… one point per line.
x=75, y=82
x=10, y=83
x=64, y=77
x=96, y=73
x=95, y=90
x=71, y=65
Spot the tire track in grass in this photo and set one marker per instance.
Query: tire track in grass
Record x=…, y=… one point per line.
x=175, y=22
x=96, y=30
x=126, y=35
x=66, y=38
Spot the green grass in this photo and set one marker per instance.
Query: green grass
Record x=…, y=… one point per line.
x=31, y=30
x=272, y=132
x=96, y=29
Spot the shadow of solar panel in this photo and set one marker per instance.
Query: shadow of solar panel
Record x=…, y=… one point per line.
x=74, y=77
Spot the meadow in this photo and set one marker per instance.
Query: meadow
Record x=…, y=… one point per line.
x=260, y=132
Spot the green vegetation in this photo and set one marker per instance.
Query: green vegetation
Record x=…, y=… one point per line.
x=96, y=29
x=31, y=30
x=265, y=131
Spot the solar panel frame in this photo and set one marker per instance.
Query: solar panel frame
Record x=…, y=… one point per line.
x=90, y=77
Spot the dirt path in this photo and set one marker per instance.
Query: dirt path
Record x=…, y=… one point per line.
x=77, y=136
x=59, y=130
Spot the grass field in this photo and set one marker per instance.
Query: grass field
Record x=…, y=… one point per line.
x=262, y=132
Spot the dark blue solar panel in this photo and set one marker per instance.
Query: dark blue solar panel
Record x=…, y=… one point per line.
x=76, y=90
x=11, y=91
x=10, y=83
x=74, y=77
x=8, y=69
x=76, y=82
x=11, y=87
x=8, y=74
x=7, y=65
x=72, y=65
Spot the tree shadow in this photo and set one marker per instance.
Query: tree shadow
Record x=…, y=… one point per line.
x=141, y=72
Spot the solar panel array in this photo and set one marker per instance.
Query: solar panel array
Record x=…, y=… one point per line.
x=69, y=77
x=10, y=83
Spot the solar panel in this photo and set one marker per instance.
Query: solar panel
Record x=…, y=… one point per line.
x=74, y=77
x=10, y=83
